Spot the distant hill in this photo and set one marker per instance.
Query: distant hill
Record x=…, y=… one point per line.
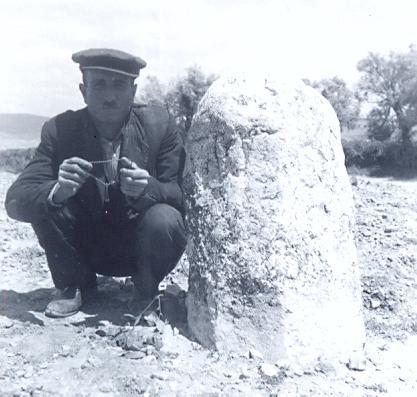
x=21, y=125
x=19, y=130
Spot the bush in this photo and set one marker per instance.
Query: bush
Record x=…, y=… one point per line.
x=15, y=160
x=396, y=155
x=363, y=153
x=389, y=154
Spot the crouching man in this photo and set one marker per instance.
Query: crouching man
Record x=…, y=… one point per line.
x=103, y=191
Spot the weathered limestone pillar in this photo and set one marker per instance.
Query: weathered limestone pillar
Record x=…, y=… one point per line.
x=272, y=259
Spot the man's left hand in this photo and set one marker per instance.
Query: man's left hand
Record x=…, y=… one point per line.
x=133, y=180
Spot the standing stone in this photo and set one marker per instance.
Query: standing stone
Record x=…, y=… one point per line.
x=273, y=263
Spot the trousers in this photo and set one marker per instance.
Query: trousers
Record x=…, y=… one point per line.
x=77, y=248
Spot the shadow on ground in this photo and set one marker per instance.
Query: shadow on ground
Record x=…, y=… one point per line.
x=109, y=303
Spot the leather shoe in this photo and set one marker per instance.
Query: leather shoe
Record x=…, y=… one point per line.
x=67, y=303
x=145, y=290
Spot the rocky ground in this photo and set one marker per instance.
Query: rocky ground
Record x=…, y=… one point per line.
x=97, y=352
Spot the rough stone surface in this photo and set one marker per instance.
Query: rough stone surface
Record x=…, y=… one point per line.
x=273, y=263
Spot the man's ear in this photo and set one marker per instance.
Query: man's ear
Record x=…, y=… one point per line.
x=83, y=91
x=134, y=89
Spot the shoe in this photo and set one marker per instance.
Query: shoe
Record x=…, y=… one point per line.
x=89, y=282
x=145, y=286
x=143, y=306
x=145, y=290
x=67, y=303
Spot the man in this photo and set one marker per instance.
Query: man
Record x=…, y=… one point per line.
x=103, y=192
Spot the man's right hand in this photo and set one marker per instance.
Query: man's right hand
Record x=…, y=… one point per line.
x=73, y=173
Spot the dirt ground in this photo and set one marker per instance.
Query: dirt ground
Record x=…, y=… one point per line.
x=93, y=353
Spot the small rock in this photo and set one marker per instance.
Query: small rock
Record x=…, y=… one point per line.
x=135, y=355
x=20, y=373
x=101, y=332
x=269, y=370
x=354, y=180
x=94, y=362
x=153, y=320
x=375, y=303
x=5, y=322
x=65, y=350
x=324, y=367
x=392, y=304
x=158, y=375
x=136, y=338
x=388, y=230
x=175, y=290
x=149, y=359
x=283, y=364
x=149, y=350
x=244, y=373
x=357, y=362
x=106, y=388
x=253, y=353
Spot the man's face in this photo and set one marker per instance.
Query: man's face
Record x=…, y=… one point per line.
x=109, y=96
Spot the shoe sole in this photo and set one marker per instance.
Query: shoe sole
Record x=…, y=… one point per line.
x=52, y=314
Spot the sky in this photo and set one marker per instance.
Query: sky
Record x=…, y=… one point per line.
x=301, y=38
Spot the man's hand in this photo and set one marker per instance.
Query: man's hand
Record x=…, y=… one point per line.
x=73, y=172
x=133, y=180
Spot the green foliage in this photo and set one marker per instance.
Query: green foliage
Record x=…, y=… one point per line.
x=343, y=100
x=390, y=84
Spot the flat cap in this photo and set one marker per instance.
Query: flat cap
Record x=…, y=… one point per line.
x=108, y=59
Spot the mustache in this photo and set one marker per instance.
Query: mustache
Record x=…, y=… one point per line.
x=110, y=105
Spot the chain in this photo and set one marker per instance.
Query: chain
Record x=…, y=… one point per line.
x=109, y=161
x=105, y=184
x=99, y=180
x=104, y=161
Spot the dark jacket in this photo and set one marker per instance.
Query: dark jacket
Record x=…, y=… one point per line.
x=154, y=145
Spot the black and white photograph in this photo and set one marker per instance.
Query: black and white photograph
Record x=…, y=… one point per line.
x=208, y=198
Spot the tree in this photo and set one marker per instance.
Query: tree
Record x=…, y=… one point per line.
x=343, y=100
x=151, y=91
x=181, y=96
x=186, y=93
x=381, y=124
x=390, y=84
